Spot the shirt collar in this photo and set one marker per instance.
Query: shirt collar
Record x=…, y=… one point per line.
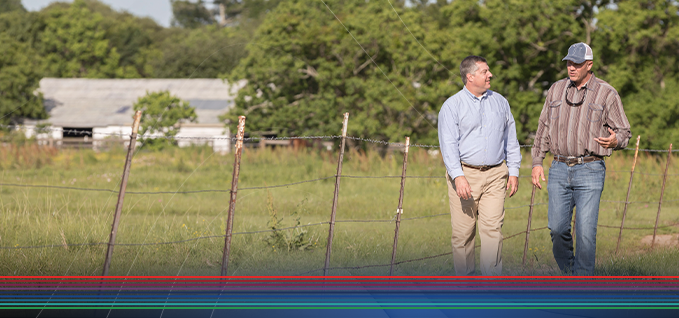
x=474, y=97
x=588, y=85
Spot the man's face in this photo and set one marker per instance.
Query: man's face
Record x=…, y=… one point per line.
x=480, y=80
x=578, y=72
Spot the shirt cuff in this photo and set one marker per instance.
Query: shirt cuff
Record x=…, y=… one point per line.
x=618, y=138
x=537, y=162
x=456, y=173
x=514, y=172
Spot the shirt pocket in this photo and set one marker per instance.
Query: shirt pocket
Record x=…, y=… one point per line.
x=498, y=120
x=595, y=112
x=554, y=109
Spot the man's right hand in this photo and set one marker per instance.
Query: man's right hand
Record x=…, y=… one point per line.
x=537, y=174
x=464, y=191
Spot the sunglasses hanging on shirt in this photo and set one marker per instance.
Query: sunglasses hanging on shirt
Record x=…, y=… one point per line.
x=584, y=95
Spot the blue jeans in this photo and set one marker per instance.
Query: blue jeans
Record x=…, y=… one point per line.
x=568, y=187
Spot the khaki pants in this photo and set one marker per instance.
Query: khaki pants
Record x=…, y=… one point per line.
x=487, y=205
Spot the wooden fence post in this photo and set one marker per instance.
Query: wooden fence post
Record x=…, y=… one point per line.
x=399, y=210
x=530, y=217
x=121, y=193
x=336, y=196
x=234, y=192
x=629, y=188
x=662, y=192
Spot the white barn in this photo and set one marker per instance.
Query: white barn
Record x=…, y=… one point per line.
x=104, y=107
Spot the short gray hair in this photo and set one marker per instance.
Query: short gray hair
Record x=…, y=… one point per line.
x=468, y=66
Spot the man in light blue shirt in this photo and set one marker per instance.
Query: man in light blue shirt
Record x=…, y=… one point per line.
x=477, y=134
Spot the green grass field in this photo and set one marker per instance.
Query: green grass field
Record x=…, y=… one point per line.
x=31, y=216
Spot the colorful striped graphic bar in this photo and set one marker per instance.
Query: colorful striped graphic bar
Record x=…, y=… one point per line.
x=19, y=294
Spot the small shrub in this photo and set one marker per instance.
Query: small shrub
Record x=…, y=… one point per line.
x=291, y=239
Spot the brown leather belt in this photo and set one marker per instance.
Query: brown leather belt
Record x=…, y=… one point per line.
x=481, y=168
x=572, y=161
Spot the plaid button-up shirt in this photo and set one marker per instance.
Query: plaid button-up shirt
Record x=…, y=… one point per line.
x=572, y=118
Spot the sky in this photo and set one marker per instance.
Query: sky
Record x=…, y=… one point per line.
x=159, y=10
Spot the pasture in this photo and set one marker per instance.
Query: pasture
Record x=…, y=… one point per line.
x=40, y=216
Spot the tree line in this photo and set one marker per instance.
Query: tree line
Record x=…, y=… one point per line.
x=389, y=64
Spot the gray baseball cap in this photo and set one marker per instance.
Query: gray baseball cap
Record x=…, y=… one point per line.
x=579, y=53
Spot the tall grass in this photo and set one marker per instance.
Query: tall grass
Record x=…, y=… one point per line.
x=45, y=216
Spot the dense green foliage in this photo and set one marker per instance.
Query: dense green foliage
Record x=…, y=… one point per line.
x=161, y=114
x=390, y=65
x=305, y=68
x=189, y=14
x=86, y=38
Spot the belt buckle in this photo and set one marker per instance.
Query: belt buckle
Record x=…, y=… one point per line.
x=574, y=162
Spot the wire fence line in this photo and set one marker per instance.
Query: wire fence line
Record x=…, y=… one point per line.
x=409, y=260
x=160, y=136
x=215, y=236
x=302, y=226
x=229, y=233
x=272, y=187
x=47, y=186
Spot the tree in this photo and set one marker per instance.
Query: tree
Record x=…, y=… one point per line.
x=133, y=37
x=162, y=114
x=190, y=15
x=206, y=52
x=74, y=45
x=304, y=70
x=20, y=74
x=243, y=9
x=11, y=6
x=21, y=67
x=637, y=49
x=528, y=39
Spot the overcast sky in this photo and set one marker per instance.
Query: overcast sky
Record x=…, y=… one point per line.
x=159, y=10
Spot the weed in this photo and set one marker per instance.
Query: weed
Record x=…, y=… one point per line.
x=294, y=239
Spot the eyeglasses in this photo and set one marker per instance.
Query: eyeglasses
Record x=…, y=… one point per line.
x=584, y=95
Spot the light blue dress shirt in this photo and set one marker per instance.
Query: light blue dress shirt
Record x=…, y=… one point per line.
x=479, y=131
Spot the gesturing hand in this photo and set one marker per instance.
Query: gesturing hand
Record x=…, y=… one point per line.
x=462, y=187
x=608, y=142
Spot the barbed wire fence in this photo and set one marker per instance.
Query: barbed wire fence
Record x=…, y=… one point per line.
x=239, y=139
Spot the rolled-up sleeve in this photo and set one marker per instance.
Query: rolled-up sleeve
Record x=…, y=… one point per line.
x=618, y=122
x=449, y=137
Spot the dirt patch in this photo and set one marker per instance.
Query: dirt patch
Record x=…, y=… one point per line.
x=662, y=240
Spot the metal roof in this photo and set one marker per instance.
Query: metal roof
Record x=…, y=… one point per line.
x=80, y=102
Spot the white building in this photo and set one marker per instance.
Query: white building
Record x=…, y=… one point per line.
x=103, y=107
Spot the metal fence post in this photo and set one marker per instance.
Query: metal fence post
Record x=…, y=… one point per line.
x=121, y=193
x=234, y=191
x=336, y=196
x=530, y=217
x=399, y=210
x=662, y=192
x=629, y=188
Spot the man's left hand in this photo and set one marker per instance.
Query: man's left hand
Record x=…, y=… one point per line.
x=513, y=183
x=608, y=142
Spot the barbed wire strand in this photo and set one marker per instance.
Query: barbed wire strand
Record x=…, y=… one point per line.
x=158, y=136
x=410, y=260
x=211, y=236
x=289, y=228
